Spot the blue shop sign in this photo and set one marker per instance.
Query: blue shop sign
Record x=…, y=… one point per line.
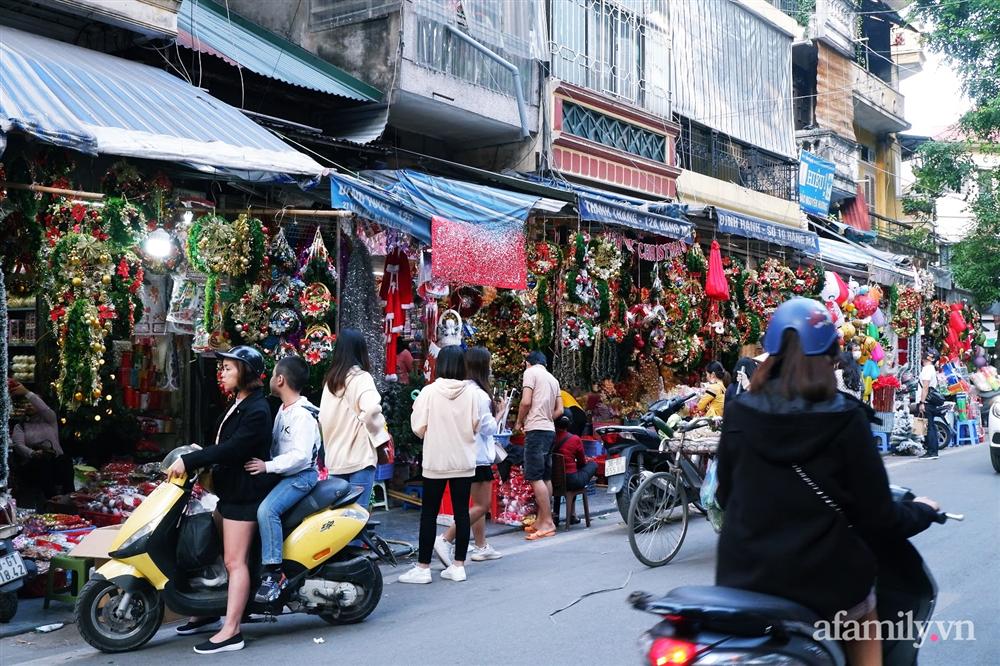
x=815, y=183
x=768, y=232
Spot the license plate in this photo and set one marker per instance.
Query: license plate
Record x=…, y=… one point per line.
x=614, y=466
x=11, y=568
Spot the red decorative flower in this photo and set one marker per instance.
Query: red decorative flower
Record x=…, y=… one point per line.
x=78, y=212
x=123, y=268
x=57, y=312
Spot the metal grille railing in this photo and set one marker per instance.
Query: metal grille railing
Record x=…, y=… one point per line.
x=713, y=154
x=589, y=124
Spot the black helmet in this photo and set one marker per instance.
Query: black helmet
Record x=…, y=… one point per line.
x=564, y=420
x=248, y=355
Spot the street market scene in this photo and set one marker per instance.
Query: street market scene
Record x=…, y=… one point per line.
x=497, y=331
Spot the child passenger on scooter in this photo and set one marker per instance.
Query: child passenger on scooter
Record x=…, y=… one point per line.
x=295, y=445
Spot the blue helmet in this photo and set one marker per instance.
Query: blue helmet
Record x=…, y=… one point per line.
x=809, y=318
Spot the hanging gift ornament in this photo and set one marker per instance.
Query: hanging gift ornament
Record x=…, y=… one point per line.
x=249, y=315
x=467, y=300
x=317, y=344
x=281, y=255
x=285, y=291
x=283, y=349
x=716, y=286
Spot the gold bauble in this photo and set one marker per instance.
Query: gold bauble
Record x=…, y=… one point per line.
x=97, y=417
x=106, y=279
x=74, y=261
x=96, y=347
x=97, y=393
x=108, y=398
x=78, y=396
x=77, y=282
x=105, y=258
x=100, y=362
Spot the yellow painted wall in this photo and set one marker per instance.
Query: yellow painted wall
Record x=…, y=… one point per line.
x=886, y=150
x=699, y=189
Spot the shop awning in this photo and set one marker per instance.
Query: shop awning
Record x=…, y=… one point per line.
x=738, y=224
x=882, y=267
x=96, y=103
x=376, y=204
x=205, y=26
x=595, y=205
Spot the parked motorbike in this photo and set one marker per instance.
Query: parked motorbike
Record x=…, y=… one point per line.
x=623, y=443
x=703, y=625
x=945, y=418
x=121, y=607
x=15, y=572
x=993, y=434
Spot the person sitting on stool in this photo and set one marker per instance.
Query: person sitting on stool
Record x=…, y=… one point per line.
x=579, y=472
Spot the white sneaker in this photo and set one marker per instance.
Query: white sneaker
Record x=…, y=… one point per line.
x=417, y=575
x=443, y=550
x=487, y=552
x=454, y=573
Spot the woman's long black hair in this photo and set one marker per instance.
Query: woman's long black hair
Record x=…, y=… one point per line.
x=351, y=350
x=850, y=371
x=719, y=371
x=451, y=363
x=477, y=369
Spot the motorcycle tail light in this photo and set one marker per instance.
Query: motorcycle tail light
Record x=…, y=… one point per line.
x=672, y=652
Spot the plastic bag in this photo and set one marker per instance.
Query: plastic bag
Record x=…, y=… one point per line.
x=708, y=500
x=716, y=285
x=198, y=544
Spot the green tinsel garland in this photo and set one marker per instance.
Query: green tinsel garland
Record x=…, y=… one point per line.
x=893, y=297
x=581, y=249
x=695, y=259
x=77, y=371
x=124, y=221
x=602, y=289
x=211, y=289
x=544, y=315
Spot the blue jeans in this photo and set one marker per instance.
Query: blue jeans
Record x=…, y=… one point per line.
x=363, y=477
x=284, y=496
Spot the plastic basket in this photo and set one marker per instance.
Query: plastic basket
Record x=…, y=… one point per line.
x=592, y=447
x=384, y=472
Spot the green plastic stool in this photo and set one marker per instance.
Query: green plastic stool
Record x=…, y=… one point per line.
x=77, y=573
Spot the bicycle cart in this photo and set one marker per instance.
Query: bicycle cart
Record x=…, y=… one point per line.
x=660, y=505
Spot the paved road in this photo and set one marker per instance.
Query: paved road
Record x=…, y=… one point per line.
x=506, y=612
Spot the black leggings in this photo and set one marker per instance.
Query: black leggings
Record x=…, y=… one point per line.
x=431, y=503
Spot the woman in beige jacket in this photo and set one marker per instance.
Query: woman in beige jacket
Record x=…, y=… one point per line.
x=350, y=414
x=446, y=416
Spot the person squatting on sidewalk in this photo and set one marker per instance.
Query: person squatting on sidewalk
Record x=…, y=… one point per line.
x=295, y=444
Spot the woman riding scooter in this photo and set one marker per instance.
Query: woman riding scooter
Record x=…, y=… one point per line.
x=243, y=434
x=806, y=496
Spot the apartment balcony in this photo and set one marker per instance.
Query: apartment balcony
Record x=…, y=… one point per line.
x=842, y=152
x=832, y=23
x=878, y=107
x=723, y=158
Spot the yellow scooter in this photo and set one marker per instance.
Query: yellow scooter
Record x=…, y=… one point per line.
x=121, y=607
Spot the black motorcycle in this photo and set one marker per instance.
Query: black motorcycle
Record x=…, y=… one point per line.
x=14, y=573
x=703, y=625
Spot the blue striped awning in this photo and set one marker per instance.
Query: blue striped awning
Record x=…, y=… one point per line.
x=205, y=26
x=96, y=103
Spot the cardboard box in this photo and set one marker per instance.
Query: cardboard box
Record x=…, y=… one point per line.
x=96, y=545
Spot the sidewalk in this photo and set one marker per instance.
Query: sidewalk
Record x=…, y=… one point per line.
x=396, y=525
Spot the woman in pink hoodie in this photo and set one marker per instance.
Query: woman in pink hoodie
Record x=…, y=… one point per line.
x=446, y=416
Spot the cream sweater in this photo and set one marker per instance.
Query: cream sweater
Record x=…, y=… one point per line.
x=352, y=424
x=446, y=416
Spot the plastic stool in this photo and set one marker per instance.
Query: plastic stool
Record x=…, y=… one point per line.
x=966, y=433
x=882, y=439
x=375, y=502
x=416, y=490
x=77, y=574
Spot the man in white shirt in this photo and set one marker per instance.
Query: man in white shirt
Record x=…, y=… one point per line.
x=294, y=448
x=929, y=408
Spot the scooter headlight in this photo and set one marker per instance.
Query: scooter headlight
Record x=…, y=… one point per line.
x=995, y=410
x=136, y=544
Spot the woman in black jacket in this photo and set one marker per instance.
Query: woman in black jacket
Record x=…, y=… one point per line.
x=805, y=493
x=244, y=434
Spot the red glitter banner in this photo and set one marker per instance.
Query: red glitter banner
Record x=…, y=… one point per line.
x=485, y=255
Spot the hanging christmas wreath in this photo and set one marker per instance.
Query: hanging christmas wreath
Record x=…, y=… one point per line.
x=544, y=258
x=604, y=258
x=467, y=300
x=283, y=322
x=125, y=221
x=576, y=334
x=315, y=301
x=809, y=281
x=217, y=248
x=250, y=316
x=285, y=291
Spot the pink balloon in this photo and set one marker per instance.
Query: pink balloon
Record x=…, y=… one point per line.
x=877, y=352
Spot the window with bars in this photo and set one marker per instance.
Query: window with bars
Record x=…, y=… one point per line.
x=714, y=154
x=612, y=132
x=325, y=14
x=616, y=47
